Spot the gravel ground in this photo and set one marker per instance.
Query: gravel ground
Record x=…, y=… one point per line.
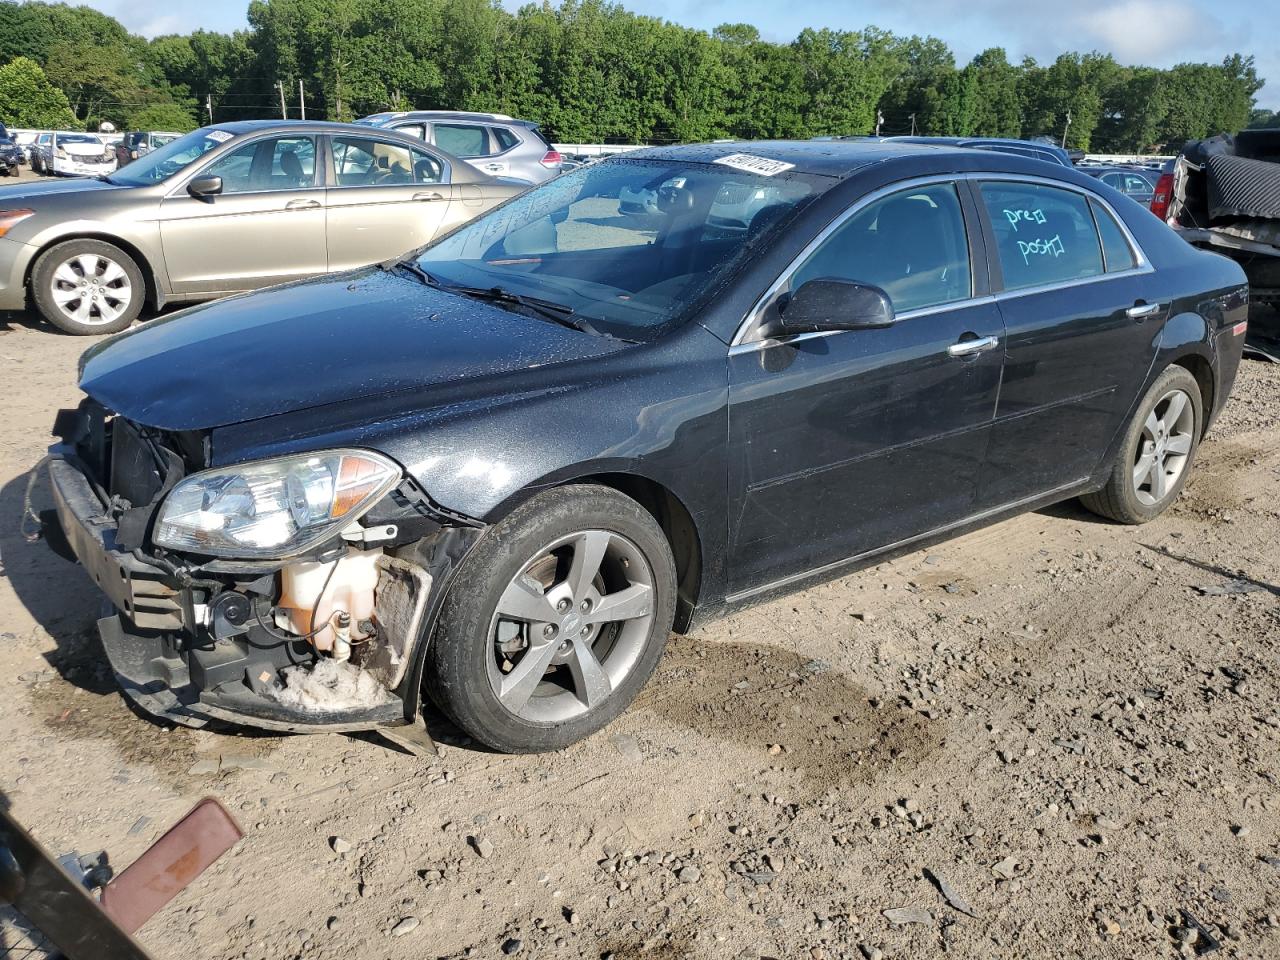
x=1046, y=739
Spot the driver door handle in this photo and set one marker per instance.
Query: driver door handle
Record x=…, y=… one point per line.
x=967, y=348
x=432, y=196
x=302, y=204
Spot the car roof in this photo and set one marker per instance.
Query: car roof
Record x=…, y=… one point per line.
x=839, y=158
x=448, y=114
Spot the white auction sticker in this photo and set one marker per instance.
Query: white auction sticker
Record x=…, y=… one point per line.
x=752, y=164
x=220, y=135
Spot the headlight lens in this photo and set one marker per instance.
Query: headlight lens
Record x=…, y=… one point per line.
x=273, y=508
x=11, y=218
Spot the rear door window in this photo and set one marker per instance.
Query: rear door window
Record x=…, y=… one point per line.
x=911, y=244
x=1043, y=234
x=462, y=139
x=1116, y=252
x=364, y=162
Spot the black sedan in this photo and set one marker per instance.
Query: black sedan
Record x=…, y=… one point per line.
x=503, y=468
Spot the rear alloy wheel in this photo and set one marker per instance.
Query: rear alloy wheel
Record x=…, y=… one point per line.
x=555, y=621
x=88, y=287
x=1156, y=455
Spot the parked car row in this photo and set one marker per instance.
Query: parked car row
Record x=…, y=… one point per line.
x=499, y=469
x=496, y=144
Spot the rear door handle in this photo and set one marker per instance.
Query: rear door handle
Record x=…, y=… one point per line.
x=302, y=204
x=967, y=348
x=1140, y=311
x=432, y=196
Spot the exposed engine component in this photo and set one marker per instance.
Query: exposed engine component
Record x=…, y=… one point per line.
x=311, y=592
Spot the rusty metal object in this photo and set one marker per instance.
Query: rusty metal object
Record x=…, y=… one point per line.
x=172, y=862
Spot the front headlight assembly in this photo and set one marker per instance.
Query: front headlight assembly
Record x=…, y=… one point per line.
x=272, y=509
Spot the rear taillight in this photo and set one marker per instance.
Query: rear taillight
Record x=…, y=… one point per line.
x=551, y=158
x=1162, y=196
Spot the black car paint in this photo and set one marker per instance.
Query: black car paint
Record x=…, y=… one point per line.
x=791, y=461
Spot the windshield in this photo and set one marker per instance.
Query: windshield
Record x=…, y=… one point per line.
x=78, y=138
x=163, y=162
x=630, y=246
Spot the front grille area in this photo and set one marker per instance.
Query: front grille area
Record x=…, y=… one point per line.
x=135, y=475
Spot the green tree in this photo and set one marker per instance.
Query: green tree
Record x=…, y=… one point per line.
x=162, y=116
x=28, y=99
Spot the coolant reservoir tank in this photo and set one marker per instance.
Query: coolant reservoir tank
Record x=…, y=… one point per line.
x=351, y=579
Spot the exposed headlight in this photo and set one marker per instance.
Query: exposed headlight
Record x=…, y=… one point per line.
x=272, y=508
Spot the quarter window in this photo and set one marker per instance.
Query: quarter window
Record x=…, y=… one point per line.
x=911, y=244
x=363, y=162
x=462, y=139
x=1043, y=234
x=283, y=163
x=506, y=139
x=1116, y=251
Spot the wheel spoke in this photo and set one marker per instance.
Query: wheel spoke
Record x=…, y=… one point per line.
x=1177, y=403
x=519, y=684
x=524, y=600
x=88, y=264
x=1180, y=443
x=590, y=683
x=1152, y=424
x=634, y=601
x=1159, y=480
x=81, y=312
x=112, y=272
x=1142, y=468
x=109, y=310
x=588, y=554
x=64, y=274
x=62, y=297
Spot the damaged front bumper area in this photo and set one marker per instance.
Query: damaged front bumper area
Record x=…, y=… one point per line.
x=196, y=641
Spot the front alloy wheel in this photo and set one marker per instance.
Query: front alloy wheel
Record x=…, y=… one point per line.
x=555, y=620
x=88, y=287
x=571, y=626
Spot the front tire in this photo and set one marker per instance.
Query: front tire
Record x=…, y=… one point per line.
x=87, y=287
x=555, y=621
x=1157, y=452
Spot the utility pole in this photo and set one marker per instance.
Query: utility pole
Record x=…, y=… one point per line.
x=1065, y=128
x=302, y=99
x=284, y=111
x=879, y=121
x=913, y=124
x=208, y=105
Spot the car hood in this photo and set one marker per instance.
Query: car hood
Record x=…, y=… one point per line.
x=313, y=343
x=36, y=189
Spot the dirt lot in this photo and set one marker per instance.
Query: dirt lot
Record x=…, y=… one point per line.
x=1073, y=727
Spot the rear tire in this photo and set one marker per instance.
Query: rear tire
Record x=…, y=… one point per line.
x=555, y=621
x=88, y=287
x=1157, y=451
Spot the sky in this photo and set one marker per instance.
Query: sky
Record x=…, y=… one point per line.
x=1158, y=33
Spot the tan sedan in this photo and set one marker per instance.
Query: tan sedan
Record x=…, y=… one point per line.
x=228, y=208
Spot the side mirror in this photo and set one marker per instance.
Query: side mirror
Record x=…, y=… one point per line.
x=204, y=187
x=831, y=304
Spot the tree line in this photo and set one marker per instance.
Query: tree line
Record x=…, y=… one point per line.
x=592, y=71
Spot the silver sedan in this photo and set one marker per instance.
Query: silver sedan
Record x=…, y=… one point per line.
x=228, y=208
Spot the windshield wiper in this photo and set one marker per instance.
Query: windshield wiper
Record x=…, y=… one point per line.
x=411, y=266
x=105, y=179
x=546, y=309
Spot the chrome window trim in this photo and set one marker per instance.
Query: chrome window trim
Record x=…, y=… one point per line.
x=753, y=315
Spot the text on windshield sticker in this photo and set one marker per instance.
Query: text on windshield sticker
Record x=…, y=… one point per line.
x=752, y=164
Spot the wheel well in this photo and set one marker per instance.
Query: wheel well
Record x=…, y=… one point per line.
x=1199, y=368
x=681, y=532
x=152, y=293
